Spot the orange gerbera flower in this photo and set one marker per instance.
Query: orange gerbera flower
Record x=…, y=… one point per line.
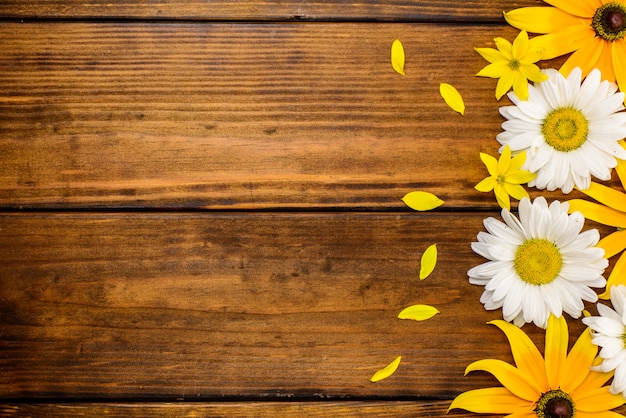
x=594, y=29
x=558, y=385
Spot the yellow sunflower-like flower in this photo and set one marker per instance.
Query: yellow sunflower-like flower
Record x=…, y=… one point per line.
x=557, y=385
x=594, y=29
x=505, y=177
x=612, y=212
x=513, y=65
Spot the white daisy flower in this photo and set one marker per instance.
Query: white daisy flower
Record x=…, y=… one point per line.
x=609, y=331
x=539, y=264
x=569, y=131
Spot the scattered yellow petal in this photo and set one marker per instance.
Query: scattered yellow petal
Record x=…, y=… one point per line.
x=387, y=371
x=418, y=312
x=397, y=56
x=422, y=201
x=452, y=97
x=429, y=260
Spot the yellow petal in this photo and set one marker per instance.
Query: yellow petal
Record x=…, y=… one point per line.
x=579, y=359
x=563, y=41
x=540, y=19
x=515, y=190
x=618, y=52
x=520, y=177
x=556, y=349
x=397, y=56
x=504, y=83
x=505, y=159
x=418, y=312
x=494, y=70
x=605, y=62
x=598, y=400
x=429, y=261
x=387, y=371
x=486, y=185
x=607, y=195
x=490, y=401
x=518, y=161
x=513, y=379
x=520, y=86
x=491, y=163
x=593, y=380
x=505, y=47
x=598, y=213
x=452, y=97
x=586, y=58
x=492, y=55
x=617, y=276
x=422, y=201
x=621, y=165
x=527, y=357
x=580, y=8
x=520, y=45
x=532, y=73
x=502, y=197
x=613, y=243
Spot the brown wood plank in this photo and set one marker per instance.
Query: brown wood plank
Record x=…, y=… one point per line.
x=211, y=306
x=240, y=115
x=322, y=409
x=432, y=10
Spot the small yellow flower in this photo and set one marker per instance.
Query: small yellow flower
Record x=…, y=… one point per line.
x=505, y=177
x=513, y=65
x=556, y=384
x=593, y=30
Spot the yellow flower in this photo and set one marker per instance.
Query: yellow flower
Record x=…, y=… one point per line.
x=594, y=29
x=505, y=177
x=557, y=384
x=612, y=212
x=513, y=65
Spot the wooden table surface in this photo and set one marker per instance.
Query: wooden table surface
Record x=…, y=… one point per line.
x=201, y=206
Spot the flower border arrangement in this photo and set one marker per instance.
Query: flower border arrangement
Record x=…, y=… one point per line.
x=565, y=130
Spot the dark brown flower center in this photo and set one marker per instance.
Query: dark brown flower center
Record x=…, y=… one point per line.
x=555, y=404
x=615, y=20
x=609, y=21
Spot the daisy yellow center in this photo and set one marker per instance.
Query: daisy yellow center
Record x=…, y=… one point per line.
x=565, y=129
x=555, y=404
x=538, y=261
x=609, y=21
x=514, y=64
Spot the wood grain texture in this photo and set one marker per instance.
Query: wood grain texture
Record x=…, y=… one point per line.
x=211, y=306
x=251, y=10
x=341, y=409
x=241, y=116
x=249, y=409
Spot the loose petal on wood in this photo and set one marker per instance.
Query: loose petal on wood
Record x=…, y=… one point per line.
x=234, y=305
x=418, y=312
x=238, y=116
x=386, y=371
x=429, y=261
x=397, y=56
x=422, y=201
x=268, y=10
x=452, y=97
